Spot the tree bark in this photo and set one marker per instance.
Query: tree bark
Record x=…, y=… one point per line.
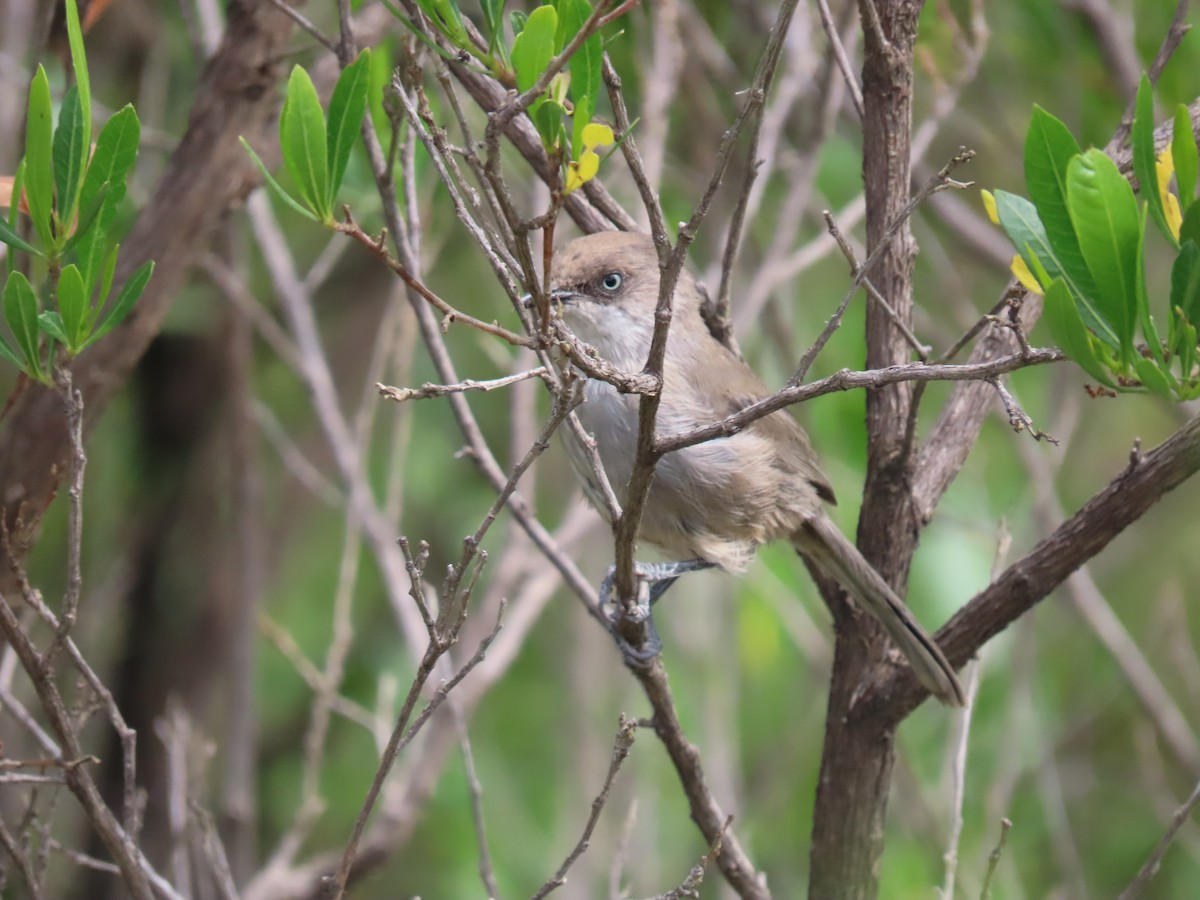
x=857, y=760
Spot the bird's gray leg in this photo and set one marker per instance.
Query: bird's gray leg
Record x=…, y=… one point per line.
x=653, y=579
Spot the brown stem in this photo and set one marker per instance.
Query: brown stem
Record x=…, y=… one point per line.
x=856, y=767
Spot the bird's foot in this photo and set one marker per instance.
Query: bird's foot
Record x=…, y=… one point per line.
x=653, y=579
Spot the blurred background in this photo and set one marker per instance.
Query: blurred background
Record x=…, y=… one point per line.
x=216, y=532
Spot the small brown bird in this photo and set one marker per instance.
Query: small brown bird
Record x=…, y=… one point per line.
x=711, y=504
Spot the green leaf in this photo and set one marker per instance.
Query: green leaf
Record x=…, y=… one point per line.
x=87, y=218
x=1187, y=160
x=534, y=47
x=21, y=314
x=1185, y=281
x=114, y=156
x=1149, y=329
x=275, y=186
x=1143, y=157
x=585, y=67
x=1024, y=228
x=580, y=118
x=380, y=81
x=1068, y=331
x=447, y=19
x=493, y=21
x=302, y=139
x=7, y=353
x=106, y=283
x=51, y=323
x=517, y=19
x=10, y=237
x=124, y=303
x=79, y=65
x=1106, y=220
x=39, y=159
x=73, y=306
x=346, y=108
x=1187, y=348
x=547, y=115
x=69, y=155
x=1151, y=376
x=1190, y=229
x=1049, y=149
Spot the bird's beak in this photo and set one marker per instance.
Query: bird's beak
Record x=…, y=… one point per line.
x=558, y=296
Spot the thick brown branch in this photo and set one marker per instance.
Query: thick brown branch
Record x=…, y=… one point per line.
x=1030, y=579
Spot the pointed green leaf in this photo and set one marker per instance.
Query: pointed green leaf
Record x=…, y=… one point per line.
x=124, y=303
x=275, y=186
x=80, y=67
x=10, y=237
x=1067, y=330
x=113, y=159
x=73, y=306
x=493, y=20
x=1149, y=329
x=39, y=159
x=87, y=219
x=585, y=67
x=517, y=19
x=106, y=283
x=1185, y=281
x=534, y=47
x=69, y=154
x=302, y=139
x=1143, y=157
x=346, y=108
x=1020, y=221
x=51, y=323
x=1105, y=215
x=381, y=76
x=1187, y=161
x=1049, y=149
x=1187, y=347
x=21, y=314
x=447, y=19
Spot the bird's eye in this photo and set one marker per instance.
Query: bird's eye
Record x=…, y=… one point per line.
x=612, y=282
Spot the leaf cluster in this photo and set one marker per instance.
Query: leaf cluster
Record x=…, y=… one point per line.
x=71, y=192
x=1082, y=235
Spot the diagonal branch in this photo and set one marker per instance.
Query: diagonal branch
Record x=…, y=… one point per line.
x=1127, y=498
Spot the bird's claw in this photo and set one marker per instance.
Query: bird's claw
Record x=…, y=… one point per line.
x=653, y=579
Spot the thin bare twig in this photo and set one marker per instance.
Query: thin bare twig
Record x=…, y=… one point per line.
x=626, y=731
x=994, y=860
x=401, y=395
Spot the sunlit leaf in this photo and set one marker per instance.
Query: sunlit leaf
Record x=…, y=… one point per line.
x=534, y=47
x=1106, y=219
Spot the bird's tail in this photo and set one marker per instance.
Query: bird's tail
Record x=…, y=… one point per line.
x=823, y=542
